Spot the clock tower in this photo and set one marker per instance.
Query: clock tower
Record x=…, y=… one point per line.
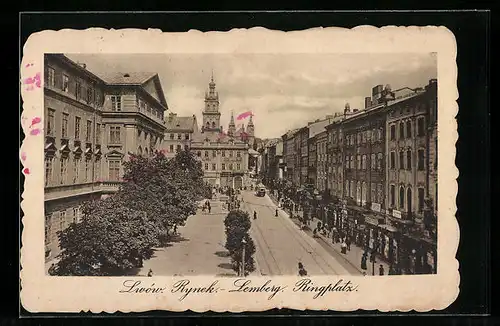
x=211, y=114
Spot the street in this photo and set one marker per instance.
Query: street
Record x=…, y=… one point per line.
x=281, y=245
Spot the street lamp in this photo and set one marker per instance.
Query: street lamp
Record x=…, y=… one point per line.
x=244, y=242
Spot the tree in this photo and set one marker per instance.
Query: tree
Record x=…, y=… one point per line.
x=110, y=239
x=237, y=225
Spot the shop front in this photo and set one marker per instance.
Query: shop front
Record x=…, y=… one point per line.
x=422, y=255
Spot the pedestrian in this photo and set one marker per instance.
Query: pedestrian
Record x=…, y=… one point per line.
x=209, y=209
x=392, y=271
x=302, y=270
x=150, y=273
x=348, y=242
x=254, y=215
x=276, y=213
x=343, y=247
x=381, y=270
x=175, y=229
x=364, y=258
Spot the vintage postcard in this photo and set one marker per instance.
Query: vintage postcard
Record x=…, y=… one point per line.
x=239, y=171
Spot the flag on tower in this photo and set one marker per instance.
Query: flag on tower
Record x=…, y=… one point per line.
x=244, y=115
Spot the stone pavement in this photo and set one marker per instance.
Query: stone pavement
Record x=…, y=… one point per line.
x=352, y=257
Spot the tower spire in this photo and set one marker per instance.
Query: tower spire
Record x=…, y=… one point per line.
x=232, y=128
x=212, y=79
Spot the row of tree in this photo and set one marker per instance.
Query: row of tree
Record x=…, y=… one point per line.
x=239, y=242
x=117, y=233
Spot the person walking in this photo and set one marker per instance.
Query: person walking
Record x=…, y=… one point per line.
x=276, y=213
x=302, y=270
x=150, y=273
x=209, y=208
x=343, y=247
x=381, y=270
x=348, y=242
x=364, y=259
x=254, y=215
x=175, y=229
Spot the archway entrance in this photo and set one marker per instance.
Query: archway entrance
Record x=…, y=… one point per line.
x=238, y=182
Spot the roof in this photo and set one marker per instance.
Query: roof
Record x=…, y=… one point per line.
x=129, y=78
x=180, y=123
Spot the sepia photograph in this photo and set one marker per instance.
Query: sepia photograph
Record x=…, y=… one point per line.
x=239, y=171
x=235, y=165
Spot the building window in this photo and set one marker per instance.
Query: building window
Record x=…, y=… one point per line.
x=347, y=162
x=206, y=166
x=51, y=77
x=89, y=94
x=172, y=136
x=114, y=170
x=358, y=161
x=179, y=136
x=114, y=135
x=98, y=133
x=77, y=127
x=420, y=200
x=401, y=197
x=48, y=170
x=116, y=103
x=363, y=162
x=393, y=195
x=64, y=169
x=223, y=166
x=408, y=129
x=48, y=227
x=421, y=126
x=214, y=166
x=223, y=153
x=401, y=130
x=373, y=196
x=171, y=148
x=64, y=127
x=420, y=160
x=238, y=166
x=231, y=166
x=78, y=90
x=230, y=153
x=98, y=169
x=401, y=160
x=393, y=132
x=76, y=214
x=87, y=170
x=65, y=83
x=238, y=154
x=89, y=131
x=198, y=153
x=393, y=160
x=62, y=220
x=50, y=121
x=206, y=153
x=380, y=158
x=76, y=170
x=186, y=136
x=408, y=159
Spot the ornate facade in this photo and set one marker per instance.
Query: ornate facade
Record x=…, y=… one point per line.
x=224, y=156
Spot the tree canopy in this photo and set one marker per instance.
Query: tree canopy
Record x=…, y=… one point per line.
x=237, y=224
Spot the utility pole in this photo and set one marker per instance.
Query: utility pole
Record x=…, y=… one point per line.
x=244, y=242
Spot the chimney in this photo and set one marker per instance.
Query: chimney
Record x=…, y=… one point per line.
x=355, y=110
x=330, y=116
x=81, y=64
x=368, y=102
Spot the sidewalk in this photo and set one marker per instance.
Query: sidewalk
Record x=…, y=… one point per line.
x=353, y=256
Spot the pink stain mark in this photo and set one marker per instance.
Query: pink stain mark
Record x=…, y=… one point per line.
x=35, y=120
x=23, y=156
x=35, y=132
x=29, y=65
x=30, y=81
x=244, y=115
x=26, y=171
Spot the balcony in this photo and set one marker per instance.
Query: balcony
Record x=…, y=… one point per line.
x=110, y=186
x=65, y=191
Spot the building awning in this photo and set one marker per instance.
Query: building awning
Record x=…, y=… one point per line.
x=97, y=151
x=88, y=150
x=50, y=147
x=371, y=220
x=76, y=151
x=389, y=228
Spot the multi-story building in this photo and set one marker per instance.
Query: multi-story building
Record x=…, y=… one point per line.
x=224, y=157
x=312, y=168
x=289, y=154
x=335, y=166
x=91, y=125
x=321, y=161
x=179, y=133
x=432, y=148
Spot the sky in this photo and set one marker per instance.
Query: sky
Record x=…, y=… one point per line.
x=284, y=91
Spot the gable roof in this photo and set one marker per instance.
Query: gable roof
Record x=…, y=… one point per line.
x=127, y=78
x=180, y=123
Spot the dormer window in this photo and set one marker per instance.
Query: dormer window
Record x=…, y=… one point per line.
x=126, y=75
